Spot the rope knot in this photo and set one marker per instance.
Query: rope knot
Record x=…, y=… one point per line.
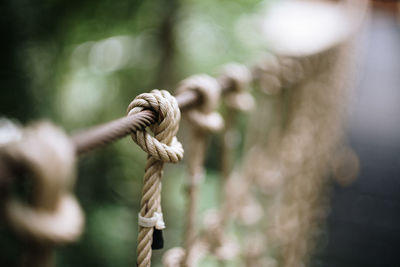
x=204, y=117
x=164, y=145
x=48, y=156
x=237, y=77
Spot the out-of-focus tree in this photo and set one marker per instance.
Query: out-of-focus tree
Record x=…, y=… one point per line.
x=80, y=63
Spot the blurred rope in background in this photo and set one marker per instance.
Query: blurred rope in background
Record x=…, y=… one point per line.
x=79, y=63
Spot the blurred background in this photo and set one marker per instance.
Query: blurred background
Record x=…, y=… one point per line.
x=363, y=228
x=80, y=63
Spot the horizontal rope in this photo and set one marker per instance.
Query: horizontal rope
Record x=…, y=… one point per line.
x=104, y=134
x=107, y=133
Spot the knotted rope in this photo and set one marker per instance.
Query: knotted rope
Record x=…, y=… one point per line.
x=238, y=99
x=163, y=147
x=203, y=120
x=238, y=77
x=203, y=117
x=54, y=216
x=290, y=166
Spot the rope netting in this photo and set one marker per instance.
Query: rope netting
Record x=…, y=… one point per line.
x=276, y=193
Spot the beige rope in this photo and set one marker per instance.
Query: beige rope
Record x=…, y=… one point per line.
x=313, y=130
x=220, y=245
x=291, y=165
x=203, y=120
x=237, y=77
x=237, y=100
x=54, y=217
x=213, y=240
x=203, y=117
x=173, y=257
x=163, y=147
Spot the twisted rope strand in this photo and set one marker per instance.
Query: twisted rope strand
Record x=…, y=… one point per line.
x=54, y=217
x=238, y=78
x=237, y=100
x=163, y=147
x=203, y=120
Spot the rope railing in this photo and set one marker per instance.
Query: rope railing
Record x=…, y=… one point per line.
x=104, y=134
x=13, y=159
x=150, y=217
x=55, y=217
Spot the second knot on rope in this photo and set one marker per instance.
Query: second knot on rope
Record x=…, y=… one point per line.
x=204, y=117
x=237, y=77
x=164, y=145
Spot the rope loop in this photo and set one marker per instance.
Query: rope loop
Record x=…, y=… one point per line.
x=238, y=78
x=64, y=225
x=48, y=156
x=163, y=146
x=204, y=117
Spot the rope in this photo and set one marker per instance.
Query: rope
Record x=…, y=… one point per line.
x=98, y=136
x=203, y=120
x=203, y=117
x=237, y=77
x=54, y=217
x=163, y=147
x=291, y=165
x=238, y=99
x=173, y=257
x=313, y=130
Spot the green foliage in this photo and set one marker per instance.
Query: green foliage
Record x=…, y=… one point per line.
x=80, y=63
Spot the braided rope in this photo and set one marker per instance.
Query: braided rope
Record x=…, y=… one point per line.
x=163, y=147
x=236, y=77
x=237, y=100
x=297, y=201
x=203, y=120
x=54, y=217
x=305, y=165
x=64, y=225
x=293, y=162
x=203, y=117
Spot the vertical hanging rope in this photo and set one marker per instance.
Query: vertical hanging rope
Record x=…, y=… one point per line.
x=203, y=120
x=313, y=131
x=53, y=217
x=237, y=77
x=237, y=100
x=296, y=156
x=163, y=147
